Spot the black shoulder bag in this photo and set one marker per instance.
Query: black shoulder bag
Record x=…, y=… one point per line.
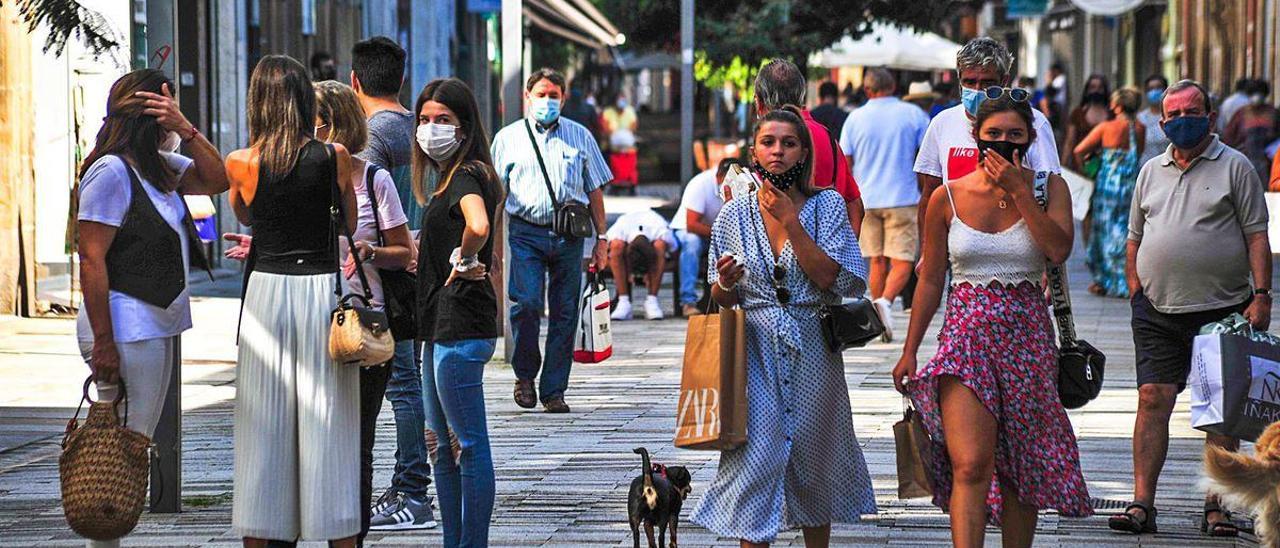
x=1080, y=365
x=850, y=325
x=399, y=287
x=571, y=219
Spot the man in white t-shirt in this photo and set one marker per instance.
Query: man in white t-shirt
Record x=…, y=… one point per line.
x=638, y=244
x=949, y=151
x=699, y=207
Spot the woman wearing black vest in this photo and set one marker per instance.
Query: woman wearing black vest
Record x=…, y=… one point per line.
x=297, y=412
x=137, y=243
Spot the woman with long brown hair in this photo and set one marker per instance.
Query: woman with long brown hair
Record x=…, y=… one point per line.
x=458, y=309
x=801, y=466
x=137, y=242
x=297, y=412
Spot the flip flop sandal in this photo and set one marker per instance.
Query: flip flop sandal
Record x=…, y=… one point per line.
x=1130, y=523
x=1221, y=528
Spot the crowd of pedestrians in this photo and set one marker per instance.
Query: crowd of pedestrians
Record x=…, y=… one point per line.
x=846, y=203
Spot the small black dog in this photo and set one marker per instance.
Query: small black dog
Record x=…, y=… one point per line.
x=656, y=498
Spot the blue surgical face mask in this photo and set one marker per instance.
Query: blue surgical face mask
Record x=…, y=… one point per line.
x=1154, y=96
x=972, y=99
x=1186, y=131
x=544, y=109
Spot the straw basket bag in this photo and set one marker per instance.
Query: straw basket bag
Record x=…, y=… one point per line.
x=103, y=469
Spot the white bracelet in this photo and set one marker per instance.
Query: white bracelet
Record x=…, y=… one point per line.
x=726, y=289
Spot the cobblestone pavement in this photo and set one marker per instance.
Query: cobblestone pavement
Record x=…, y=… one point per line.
x=562, y=479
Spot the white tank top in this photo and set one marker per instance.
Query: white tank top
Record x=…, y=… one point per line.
x=1009, y=257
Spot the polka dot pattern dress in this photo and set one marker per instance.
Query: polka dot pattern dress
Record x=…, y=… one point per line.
x=801, y=465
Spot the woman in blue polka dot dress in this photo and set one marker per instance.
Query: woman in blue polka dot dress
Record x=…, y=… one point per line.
x=791, y=250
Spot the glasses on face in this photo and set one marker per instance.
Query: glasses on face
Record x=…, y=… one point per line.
x=779, y=290
x=1017, y=94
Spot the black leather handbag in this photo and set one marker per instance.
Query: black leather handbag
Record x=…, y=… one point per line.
x=399, y=287
x=571, y=219
x=1080, y=365
x=851, y=325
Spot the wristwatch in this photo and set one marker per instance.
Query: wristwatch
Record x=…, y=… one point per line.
x=602, y=237
x=1263, y=291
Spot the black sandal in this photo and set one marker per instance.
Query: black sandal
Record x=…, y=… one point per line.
x=1221, y=528
x=1130, y=523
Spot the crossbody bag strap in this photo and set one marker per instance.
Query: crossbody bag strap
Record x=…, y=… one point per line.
x=371, y=171
x=835, y=157
x=1057, y=275
x=338, y=222
x=545, y=177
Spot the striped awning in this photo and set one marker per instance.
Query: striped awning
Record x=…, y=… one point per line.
x=575, y=20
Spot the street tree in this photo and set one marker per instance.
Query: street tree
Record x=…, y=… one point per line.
x=65, y=19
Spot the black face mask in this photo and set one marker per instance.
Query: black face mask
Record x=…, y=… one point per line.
x=1004, y=148
x=1095, y=98
x=784, y=180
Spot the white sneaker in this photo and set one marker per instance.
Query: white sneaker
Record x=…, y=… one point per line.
x=652, y=310
x=885, y=309
x=622, y=312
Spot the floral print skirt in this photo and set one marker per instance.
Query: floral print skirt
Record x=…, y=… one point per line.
x=998, y=341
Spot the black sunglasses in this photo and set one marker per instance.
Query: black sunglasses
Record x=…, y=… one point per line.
x=1017, y=94
x=782, y=293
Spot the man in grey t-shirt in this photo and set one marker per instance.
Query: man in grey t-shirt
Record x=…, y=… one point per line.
x=391, y=141
x=1197, y=234
x=377, y=72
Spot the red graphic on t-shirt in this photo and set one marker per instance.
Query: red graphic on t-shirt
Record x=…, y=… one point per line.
x=961, y=161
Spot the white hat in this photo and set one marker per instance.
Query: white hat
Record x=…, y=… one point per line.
x=918, y=90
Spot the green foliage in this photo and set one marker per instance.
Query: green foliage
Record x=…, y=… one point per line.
x=67, y=18
x=732, y=36
x=737, y=73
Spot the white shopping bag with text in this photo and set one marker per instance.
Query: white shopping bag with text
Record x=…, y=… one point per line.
x=594, y=342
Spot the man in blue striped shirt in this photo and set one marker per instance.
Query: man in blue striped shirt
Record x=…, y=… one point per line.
x=576, y=171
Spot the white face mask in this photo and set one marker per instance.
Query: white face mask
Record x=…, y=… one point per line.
x=171, y=142
x=439, y=141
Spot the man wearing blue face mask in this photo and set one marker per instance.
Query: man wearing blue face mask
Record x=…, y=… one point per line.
x=1197, y=234
x=948, y=150
x=552, y=169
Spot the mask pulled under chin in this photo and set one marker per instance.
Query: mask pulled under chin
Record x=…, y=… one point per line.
x=784, y=180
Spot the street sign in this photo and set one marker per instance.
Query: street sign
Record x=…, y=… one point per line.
x=484, y=6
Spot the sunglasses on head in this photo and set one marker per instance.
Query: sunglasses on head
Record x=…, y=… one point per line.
x=1017, y=94
x=782, y=293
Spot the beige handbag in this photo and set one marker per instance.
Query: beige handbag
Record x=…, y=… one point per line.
x=103, y=470
x=358, y=334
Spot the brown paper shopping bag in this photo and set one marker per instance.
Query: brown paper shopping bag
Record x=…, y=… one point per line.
x=712, y=410
x=915, y=459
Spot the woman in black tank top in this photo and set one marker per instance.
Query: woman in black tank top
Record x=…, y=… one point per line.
x=297, y=412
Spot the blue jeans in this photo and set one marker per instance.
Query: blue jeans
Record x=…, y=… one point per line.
x=692, y=246
x=535, y=253
x=454, y=393
x=404, y=391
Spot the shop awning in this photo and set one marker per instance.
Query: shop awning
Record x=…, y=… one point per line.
x=574, y=20
x=1106, y=7
x=893, y=47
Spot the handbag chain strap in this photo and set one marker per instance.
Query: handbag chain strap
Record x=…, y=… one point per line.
x=1058, y=288
x=555, y=204
x=337, y=217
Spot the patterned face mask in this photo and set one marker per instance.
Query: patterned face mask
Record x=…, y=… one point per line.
x=784, y=180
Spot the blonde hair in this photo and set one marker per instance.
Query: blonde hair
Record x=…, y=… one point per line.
x=281, y=113
x=337, y=106
x=1128, y=98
